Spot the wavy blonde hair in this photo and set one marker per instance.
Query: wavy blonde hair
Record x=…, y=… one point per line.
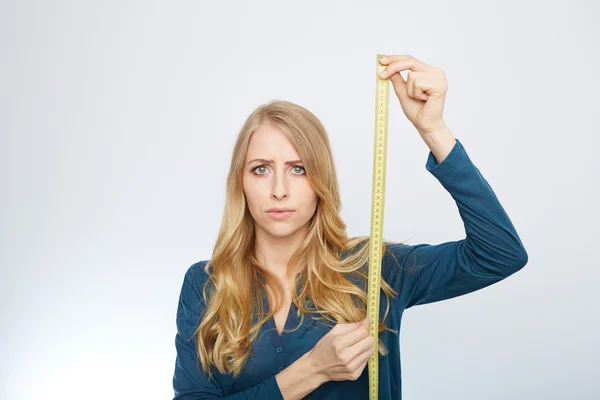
x=236, y=279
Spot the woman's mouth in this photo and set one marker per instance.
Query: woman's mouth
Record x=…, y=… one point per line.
x=280, y=215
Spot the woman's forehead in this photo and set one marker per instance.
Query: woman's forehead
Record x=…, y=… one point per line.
x=272, y=144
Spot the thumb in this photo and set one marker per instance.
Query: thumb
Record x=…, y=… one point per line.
x=365, y=322
x=344, y=328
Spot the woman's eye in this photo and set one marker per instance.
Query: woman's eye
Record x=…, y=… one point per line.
x=296, y=167
x=260, y=167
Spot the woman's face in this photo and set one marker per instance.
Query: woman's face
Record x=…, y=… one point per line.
x=274, y=177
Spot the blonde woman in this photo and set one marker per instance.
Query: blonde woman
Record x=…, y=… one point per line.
x=279, y=310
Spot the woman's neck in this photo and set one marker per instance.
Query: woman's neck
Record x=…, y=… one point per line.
x=274, y=253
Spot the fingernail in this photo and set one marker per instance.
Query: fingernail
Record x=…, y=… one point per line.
x=370, y=321
x=383, y=59
x=382, y=74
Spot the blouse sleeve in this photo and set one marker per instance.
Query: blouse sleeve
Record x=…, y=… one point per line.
x=189, y=380
x=491, y=251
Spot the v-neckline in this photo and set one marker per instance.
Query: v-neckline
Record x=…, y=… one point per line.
x=272, y=325
x=288, y=318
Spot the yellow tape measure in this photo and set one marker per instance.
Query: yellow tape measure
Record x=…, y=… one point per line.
x=377, y=205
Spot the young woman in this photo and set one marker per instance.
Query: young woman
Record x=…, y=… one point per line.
x=278, y=312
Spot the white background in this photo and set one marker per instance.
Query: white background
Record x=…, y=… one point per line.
x=117, y=123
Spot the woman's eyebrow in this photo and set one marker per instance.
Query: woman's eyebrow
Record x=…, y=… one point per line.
x=262, y=160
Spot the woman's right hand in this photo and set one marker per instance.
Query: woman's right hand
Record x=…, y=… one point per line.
x=344, y=351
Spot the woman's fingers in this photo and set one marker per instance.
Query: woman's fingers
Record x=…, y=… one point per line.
x=405, y=58
x=403, y=62
x=344, y=349
x=363, y=345
x=341, y=329
x=348, y=339
x=366, y=350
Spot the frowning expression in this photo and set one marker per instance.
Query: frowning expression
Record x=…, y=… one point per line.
x=274, y=179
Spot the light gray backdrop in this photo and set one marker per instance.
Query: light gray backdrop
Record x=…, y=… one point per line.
x=117, y=122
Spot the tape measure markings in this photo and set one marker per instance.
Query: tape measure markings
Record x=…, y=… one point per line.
x=377, y=209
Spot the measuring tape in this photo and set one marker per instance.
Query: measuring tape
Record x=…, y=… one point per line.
x=377, y=204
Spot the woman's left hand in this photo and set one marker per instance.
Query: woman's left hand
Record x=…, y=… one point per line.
x=422, y=95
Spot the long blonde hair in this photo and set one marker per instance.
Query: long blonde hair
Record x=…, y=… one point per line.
x=236, y=279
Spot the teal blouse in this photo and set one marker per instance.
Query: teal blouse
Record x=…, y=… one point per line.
x=490, y=252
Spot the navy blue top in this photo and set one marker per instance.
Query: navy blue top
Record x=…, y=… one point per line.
x=490, y=252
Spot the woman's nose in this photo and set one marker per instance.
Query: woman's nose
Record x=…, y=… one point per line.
x=280, y=189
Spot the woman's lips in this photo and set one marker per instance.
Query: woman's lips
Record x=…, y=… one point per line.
x=279, y=215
